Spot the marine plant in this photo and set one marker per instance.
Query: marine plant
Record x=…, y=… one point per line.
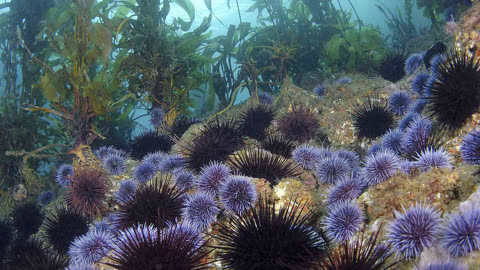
x=62, y=227
x=363, y=252
x=454, y=95
x=372, y=119
x=331, y=170
x=27, y=218
x=154, y=203
x=268, y=238
x=300, y=124
x=91, y=247
x=460, y=231
x=258, y=163
x=400, y=23
x=238, y=194
x=278, y=145
x=342, y=221
x=144, y=247
x=88, y=192
x=413, y=230
x=215, y=142
x=212, y=177
x=255, y=120
x=149, y=142
x=200, y=210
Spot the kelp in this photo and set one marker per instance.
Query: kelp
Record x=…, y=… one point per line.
x=400, y=24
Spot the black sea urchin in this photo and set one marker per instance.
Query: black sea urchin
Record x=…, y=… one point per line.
x=144, y=247
x=372, y=119
x=362, y=253
x=300, y=124
x=87, y=193
x=27, y=218
x=181, y=125
x=392, y=67
x=278, y=145
x=32, y=254
x=255, y=120
x=7, y=235
x=62, y=227
x=149, y=142
x=261, y=164
x=266, y=239
x=158, y=200
x=215, y=142
x=455, y=94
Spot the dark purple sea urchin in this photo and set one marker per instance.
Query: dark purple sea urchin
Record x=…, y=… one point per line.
x=372, y=119
x=88, y=191
x=255, y=120
x=299, y=125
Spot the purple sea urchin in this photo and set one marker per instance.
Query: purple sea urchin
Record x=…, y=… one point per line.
x=255, y=120
x=343, y=221
x=441, y=266
x=419, y=106
x=156, y=116
x=392, y=67
x=27, y=218
x=419, y=83
x=171, y=163
x=454, y=98
x=270, y=238
x=374, y=148
x=259, y=163
x=344, y=191
x=331, y=170
x=413, y=230
x=155, y=158
x=104, y=151
x=45, y=197
x=435, y=63
x=470, y=148
x=352, y=158
x=413, y=62
x=144, y=172
x=430, y=158
x=156, y=203
x=80, y=266
x=212, y=177
x=184, y=179
x=299, y=125
x=149, y=142
x=265, y=98
x=405, y=122
x=126, y=190
x=344, y=80
x=308, y=157
x=319, y=90
x=460, y=232
x=62, y=227
x=91, y=247
x=238, y=194
x=65, y=175
x=372, y=119
x=393, y=141
x=215, y=142
x=114, y=164
x=399, y=102
x=200, y=210
x=379, y=167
